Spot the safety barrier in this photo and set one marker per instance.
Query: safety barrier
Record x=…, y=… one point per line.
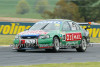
x=11, y=28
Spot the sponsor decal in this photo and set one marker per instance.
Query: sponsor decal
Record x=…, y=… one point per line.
x=73, y=36
x=8, y=28
x=45, y=46
x=57, y=25
x=37, y=32
x=31, y=41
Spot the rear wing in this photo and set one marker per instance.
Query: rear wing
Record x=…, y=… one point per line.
x=85, y=24
x=88, y=23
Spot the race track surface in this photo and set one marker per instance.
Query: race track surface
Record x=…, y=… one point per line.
x=9, y=57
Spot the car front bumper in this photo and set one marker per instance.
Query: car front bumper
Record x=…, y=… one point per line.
x=40, y=43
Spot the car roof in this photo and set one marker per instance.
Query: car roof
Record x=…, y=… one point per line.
x=61, y=20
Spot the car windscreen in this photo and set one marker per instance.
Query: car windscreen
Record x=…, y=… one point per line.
x=46, y=26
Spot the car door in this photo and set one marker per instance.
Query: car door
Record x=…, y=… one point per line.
x=66, y=28
x=75, y=35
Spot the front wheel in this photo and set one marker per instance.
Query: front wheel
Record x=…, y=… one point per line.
x=56, y=43
x=83, y=46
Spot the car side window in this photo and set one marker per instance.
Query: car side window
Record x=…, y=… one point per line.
x=77, y=26
x=73, y=26
x=66, y=27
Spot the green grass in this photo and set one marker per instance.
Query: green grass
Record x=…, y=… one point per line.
x=8, y=8
x=6, y=39
x=95, y=40
x=88, y=64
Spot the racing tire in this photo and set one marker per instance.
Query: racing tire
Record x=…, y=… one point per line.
x=82, y=46
x=19, y=50
x=56, y=44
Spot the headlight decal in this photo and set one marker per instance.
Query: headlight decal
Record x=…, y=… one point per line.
x=44, y=36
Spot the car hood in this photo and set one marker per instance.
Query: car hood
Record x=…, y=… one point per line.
x=31, y=32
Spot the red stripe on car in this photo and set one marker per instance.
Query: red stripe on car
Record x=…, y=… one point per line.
x=22, y=41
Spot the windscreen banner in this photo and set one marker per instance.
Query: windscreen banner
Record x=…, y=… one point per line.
x=13, y=28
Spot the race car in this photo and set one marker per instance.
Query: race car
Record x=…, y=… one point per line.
x=53, y=35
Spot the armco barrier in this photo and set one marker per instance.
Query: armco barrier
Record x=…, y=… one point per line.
x=12, y=28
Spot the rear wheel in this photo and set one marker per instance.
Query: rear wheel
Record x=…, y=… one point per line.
x=56, y=43
x=19, y=50
x=83, y=46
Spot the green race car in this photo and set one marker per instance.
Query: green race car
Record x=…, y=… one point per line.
x=53, y=35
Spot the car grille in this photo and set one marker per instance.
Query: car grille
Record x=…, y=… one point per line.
x=29, y=37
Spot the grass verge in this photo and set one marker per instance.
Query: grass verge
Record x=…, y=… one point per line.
x=8, y=39
x=88, y=64
x=95, y=40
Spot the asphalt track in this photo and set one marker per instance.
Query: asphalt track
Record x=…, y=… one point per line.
x=9, y=57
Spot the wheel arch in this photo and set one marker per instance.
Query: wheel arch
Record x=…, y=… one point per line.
x=57, y=37
x=84, y=37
